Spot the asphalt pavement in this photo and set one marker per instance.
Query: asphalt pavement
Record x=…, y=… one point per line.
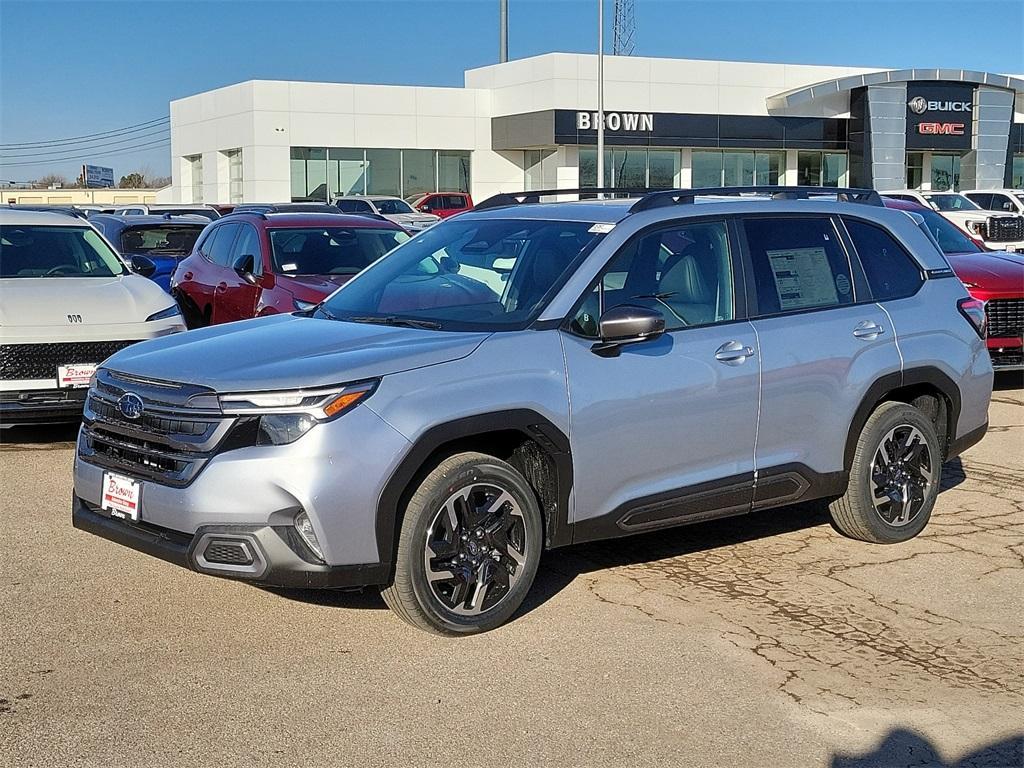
x=768, y=640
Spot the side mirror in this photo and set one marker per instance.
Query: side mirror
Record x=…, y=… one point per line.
x=143, y=265
x=425, y=208
x=627, y=324
x=245, y=266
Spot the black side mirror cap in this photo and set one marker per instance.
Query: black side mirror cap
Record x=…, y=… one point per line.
x=143, y=265
x=627, y=324
x=245, y=267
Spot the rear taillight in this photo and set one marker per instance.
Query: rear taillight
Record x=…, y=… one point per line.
x=974, y=310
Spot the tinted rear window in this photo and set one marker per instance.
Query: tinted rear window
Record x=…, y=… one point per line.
x=159, y=239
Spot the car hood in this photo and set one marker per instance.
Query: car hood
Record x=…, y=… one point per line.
x=290, y=351
x=312, y=287
x=994, y=270
x=47, y=301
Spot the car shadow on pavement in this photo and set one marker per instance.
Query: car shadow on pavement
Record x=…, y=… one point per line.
x=903, y=747
x=1006, y=380
x=560, y=567
x=42, y=437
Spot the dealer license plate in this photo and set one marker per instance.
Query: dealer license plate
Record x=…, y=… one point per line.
x=75, y=375
x=121, y=496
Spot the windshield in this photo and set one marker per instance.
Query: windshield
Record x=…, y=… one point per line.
x=949, y=236
x=952, y=203
x=389, y=206
x=32, y=251
x=330, y=250
x=482, y=274
x=159, y=239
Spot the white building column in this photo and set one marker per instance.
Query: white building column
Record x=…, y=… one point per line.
x=792, y=175
x=685, y=180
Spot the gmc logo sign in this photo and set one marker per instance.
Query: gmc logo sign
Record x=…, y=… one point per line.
x=941, y=129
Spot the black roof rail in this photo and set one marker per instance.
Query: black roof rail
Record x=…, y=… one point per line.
x=66, y=210
x=533, y=196
x=243, y=212
x=685, y=196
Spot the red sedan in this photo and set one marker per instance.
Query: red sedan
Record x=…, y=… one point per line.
x=253, y=264
x=995, y=277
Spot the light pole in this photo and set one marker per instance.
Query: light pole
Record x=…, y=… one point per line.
x=600, y=94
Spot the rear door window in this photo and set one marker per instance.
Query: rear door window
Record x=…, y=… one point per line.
x=799, y=264
x=354, y=206
x=891, y=271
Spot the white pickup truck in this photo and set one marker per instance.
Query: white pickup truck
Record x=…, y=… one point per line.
x=998, y=230
x=1001, y=200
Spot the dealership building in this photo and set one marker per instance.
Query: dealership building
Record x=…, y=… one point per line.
x=531, y=124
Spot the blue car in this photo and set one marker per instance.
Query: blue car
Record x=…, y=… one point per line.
x=165, y=240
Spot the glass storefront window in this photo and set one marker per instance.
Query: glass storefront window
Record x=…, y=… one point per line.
x=663, y=168
x=234, y=158
x=419, y=172
x=945, y=172
x=383, y=172
x=539, y=169
x=629, y=168
x=821, y=169
x=1017, y=175
x=915, y=170
x=453, y=171
x=720, y=168
x=347, y=171
x=588, y=168
x=195, y=163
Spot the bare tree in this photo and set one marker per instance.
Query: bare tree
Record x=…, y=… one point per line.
x=51, y=179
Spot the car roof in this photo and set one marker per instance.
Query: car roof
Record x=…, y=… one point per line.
x=904, y=205
x=310, y=219
x=11, y=216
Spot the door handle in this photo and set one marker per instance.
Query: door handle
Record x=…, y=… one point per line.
x=221, y=287
x=733, y=353
x=868, y=329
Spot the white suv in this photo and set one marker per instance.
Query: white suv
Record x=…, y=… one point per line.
x=998, y=230
x=69, y=302
x=1001, y=200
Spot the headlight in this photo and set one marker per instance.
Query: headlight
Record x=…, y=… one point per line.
x=164, y=314
x=284, y=417
x=303, y=306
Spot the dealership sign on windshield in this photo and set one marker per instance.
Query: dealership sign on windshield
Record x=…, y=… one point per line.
x=616, y=121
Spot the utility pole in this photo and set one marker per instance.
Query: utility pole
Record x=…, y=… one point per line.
x=503, y=31
x=600, y=94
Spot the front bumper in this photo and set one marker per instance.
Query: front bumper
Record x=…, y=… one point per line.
x=277, y=557
x=47, y=406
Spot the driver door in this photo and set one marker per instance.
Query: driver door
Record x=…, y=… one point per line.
x=663, y=432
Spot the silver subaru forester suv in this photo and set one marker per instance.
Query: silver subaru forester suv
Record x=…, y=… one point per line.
x=536, y=374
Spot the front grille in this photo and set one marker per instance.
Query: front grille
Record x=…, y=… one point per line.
x=1005, y=317
x=170, y=443
x=1004, y=229
x=1007, y=358
x=40, y=361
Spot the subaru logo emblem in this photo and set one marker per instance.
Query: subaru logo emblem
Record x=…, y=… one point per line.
x=130, y=405
x=918, y=105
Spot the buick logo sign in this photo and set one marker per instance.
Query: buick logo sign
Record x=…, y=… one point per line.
x=130, y=405
x=918, y=105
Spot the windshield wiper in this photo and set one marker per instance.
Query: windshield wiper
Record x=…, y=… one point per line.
x=657, y=296
x=408, y=322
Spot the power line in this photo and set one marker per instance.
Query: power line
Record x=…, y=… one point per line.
x=6, y=155
x=121, y=151
x=85, y=138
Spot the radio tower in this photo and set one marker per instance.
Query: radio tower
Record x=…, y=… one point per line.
x=624, y=31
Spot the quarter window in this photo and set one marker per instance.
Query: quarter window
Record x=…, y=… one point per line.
x=798, y=263
x=891, y=272
x=684, y=272
x=218, y=248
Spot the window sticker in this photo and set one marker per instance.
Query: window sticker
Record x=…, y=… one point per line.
x=843, y=284
x=803, y=278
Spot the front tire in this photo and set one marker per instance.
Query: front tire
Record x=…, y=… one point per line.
x=894, y=478
x=469, y=547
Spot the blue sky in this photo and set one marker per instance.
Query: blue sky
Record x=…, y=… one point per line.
x=75, y=67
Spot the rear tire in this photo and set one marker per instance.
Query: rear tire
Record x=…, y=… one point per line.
x=894, y=477
x=468, y=549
